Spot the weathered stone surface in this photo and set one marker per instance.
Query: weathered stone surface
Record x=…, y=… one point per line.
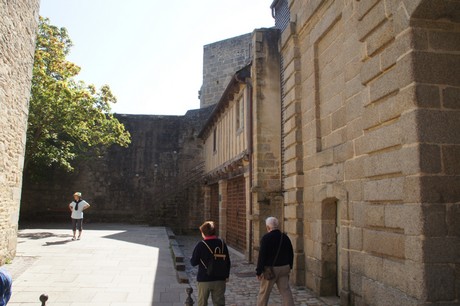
x=18, y=25
x=221, y=60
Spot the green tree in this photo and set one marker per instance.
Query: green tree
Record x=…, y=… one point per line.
x=66, y=116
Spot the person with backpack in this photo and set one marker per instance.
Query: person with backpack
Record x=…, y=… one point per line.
x=213, y=261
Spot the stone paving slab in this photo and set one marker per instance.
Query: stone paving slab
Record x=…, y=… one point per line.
x=112, y=265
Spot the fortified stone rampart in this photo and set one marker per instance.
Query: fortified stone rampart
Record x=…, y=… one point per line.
x=18, y=22
x=155, y=180
x=220, y=61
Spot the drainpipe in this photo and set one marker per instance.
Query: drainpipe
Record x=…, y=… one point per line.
x=250, y=151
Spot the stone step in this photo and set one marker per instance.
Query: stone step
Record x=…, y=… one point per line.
x=182, y=277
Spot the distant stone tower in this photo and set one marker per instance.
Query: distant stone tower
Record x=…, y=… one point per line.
x=220, y=61
x=18, y=24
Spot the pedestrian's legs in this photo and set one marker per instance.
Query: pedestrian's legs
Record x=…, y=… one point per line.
x=218, y=293
x=266, y=287
x=203, y=293
x=80, y=227
x=74, y=228
x=282, y=282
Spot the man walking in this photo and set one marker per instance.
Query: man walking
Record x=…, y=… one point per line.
x=77, y=207
x=276, y=251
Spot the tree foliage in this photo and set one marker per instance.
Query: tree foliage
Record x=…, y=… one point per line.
x=66, y=116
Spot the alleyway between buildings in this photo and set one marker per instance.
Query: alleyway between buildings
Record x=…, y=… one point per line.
x=117, y=265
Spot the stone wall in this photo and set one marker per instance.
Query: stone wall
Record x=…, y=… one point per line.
x=371, y=143
x=220, y=61
x=18, y=23
x=155, y=180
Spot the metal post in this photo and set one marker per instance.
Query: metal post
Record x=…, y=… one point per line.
x=43, y=299
x=189, y=301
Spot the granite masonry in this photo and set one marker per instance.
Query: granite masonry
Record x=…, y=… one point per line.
x=18, y=23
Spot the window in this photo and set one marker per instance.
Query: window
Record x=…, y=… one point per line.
x=239, y=114
x=214, y=140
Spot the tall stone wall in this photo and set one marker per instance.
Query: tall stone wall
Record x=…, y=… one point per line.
x=220, y=61
x=155, y=180
x=18, y=23
x=371, y=149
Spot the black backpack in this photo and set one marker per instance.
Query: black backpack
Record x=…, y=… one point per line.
x=217, y=265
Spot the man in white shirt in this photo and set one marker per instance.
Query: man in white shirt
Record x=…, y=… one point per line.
x=77, y=207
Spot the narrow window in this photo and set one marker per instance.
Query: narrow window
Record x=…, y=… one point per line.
x=214, y=140
x=239, y=114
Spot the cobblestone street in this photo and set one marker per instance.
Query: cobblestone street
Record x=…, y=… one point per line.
x=243, y=286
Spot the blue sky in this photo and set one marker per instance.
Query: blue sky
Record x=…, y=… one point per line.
x=150, y=52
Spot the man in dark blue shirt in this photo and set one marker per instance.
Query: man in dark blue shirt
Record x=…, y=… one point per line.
x=278, y=253
x=211, y=283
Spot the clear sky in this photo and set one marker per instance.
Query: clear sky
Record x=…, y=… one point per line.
x=150, y=52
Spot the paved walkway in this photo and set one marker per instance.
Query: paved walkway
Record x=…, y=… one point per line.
x=112, y=265
x=118, y=265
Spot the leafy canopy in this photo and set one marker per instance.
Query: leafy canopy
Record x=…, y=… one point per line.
x=66, y=116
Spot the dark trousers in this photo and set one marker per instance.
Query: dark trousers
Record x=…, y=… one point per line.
x=77, y=223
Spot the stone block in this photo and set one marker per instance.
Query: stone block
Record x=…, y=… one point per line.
x=371, y=20
x=295, y=181
x=442, y=126
x=440, y=282
x=355, y=238
x=358, y=214
x=436, y=68
x=374, y=215
x=385, y=243
x=444, y=41
x=442, y=250
x=394, y=50
x=380, y=37
x=385, y=295
x=363, y=7
x=353, y=87
x=451, y=97
x=332, y=173
x=438, y=189
x=324, y=158
x=395, y=275
x=292, y=152
x=328, y=22
x=407, y=217
x=354, y=168
x=384, y=163
x=453, y=219
x=389, y=189
x=451, y=159
x=354, y=129
x=373, y=267
x=354, y=189
x=343, y=152
x=370, y=70
x=312, y=177
x=354, y=66
x=384, y=85
x=380, y=138
x=338, y=119
x=401, y=20
x=293, y=211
